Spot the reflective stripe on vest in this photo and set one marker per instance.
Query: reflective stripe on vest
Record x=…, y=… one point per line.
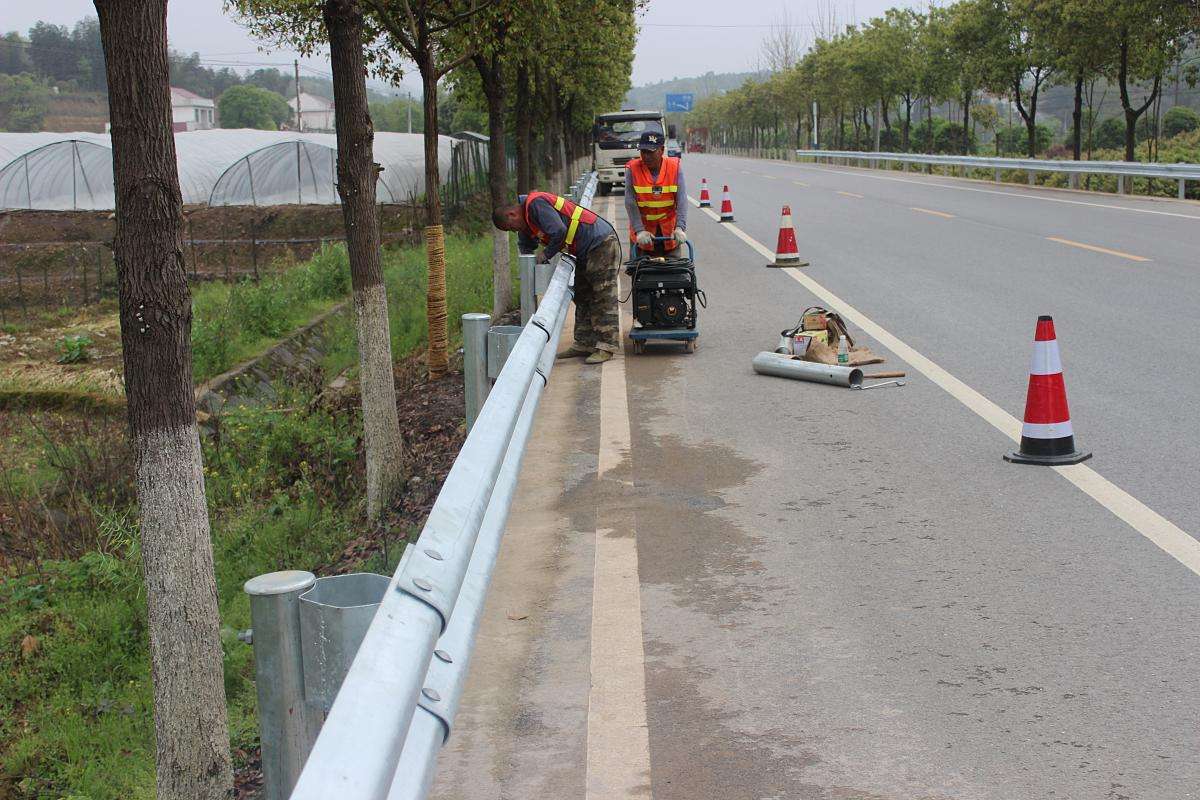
x=656, y=201
x=574, y=214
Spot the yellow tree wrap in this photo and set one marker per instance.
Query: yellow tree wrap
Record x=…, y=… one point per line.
x=435, y=301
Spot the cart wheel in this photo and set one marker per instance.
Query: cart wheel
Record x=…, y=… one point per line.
x=691, y=345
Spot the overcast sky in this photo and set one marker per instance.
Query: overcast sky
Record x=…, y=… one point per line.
x=679, y=38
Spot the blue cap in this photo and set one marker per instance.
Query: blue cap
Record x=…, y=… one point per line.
x=651, y=140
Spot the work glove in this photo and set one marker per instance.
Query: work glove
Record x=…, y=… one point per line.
x=644, y=239
x=680, y=236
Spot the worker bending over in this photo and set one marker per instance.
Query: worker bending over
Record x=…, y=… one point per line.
x=557, y=224
x=655, y=197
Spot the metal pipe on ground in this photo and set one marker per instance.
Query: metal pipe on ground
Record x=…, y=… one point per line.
x=785, y=367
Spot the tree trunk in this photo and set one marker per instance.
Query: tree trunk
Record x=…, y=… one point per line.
x=1077, y=119
x=186, y=661
x=929, y=115
x=524, y=134
x=438, y=360
x=357, y=174
x=1131, y=113
x=491, y=75
x=904, y=134
x=966, y=123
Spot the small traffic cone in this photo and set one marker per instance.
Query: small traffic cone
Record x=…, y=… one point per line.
x=705, y=200
x=1047, y=436
x=726, y=205
x=786, y=252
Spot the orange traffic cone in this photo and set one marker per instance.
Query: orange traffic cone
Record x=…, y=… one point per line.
x=726, y=205
x=787, y=254
x=1047, y=436
x=705, y=200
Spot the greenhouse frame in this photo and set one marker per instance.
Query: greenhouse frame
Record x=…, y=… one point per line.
x=73, y=171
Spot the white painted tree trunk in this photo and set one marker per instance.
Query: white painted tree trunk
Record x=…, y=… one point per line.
x=381, y=426
x=501, y=274
x=181, y=601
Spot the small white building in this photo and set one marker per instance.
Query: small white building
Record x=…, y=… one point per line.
x=191, y=112
x=316, y=113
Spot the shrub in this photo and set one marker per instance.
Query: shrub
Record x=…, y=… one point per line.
x=1179, y=119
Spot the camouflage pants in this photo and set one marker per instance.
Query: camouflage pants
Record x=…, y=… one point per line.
x=597, y=315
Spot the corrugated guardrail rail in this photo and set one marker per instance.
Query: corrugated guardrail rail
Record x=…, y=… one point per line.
x=397, y=704
x=1122, y=169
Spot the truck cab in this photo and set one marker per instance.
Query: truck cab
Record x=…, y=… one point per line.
x=614, y=143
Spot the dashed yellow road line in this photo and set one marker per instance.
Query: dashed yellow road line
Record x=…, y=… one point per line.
x=850, y=194
x=942, y=214
x=1096, y=249
x=1168, y=536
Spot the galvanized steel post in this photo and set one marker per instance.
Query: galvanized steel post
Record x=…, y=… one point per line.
x=475, y=371
x=527, y=275
x=287, y=725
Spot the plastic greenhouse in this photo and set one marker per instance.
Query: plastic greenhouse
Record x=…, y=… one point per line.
x=66, y=171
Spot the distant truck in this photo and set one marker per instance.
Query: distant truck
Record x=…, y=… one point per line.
x=614, y=143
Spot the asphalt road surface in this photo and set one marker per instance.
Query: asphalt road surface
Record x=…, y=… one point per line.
x=719, y=585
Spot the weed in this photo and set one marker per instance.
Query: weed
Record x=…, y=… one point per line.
x=73, y=349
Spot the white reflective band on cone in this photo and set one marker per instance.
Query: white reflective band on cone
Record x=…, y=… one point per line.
x=1048, y=430
x=1046, y=360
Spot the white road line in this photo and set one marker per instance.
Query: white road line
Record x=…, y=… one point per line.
x=618, y=745
x=864, y=174
x=851, y=194
x=1172, y=539
x=800, y=183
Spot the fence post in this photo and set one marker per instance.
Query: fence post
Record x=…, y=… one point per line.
x=527, y=274
x=254, y=249
x=21, y=292
x=475, y=373
x=83, y=268
x=288, y=726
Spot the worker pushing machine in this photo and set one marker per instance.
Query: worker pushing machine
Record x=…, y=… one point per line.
x=557, y=224
x=655, y=197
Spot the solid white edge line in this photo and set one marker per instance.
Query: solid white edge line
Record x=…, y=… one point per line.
x=1169, y=537
x=866, y=174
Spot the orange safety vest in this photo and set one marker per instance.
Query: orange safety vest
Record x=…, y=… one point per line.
x=655, y=198
x=572, y=215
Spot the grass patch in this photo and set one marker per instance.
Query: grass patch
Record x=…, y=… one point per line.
x=284, y=490
x=232, y=322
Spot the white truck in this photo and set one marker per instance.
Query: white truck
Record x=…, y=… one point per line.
x=614, y=143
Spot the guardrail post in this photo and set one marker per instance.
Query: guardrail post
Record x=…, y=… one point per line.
x=1029, y=177
x=475, y=371
x=1120, y=184
x=996, y=174
x=527, y=275
x=1073, y=180
x=287, y=725
x=1182, y=189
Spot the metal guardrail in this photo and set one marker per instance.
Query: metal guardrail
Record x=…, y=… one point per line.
x=398, y=699
x=1121, y=169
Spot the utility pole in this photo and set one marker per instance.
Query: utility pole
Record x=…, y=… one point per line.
x=815, y=127
x=299, y=122
x=409, y=95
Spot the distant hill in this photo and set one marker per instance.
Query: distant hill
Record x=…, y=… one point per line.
x=653, y=95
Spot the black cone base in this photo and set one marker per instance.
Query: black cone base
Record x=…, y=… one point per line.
x=1048, y=452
